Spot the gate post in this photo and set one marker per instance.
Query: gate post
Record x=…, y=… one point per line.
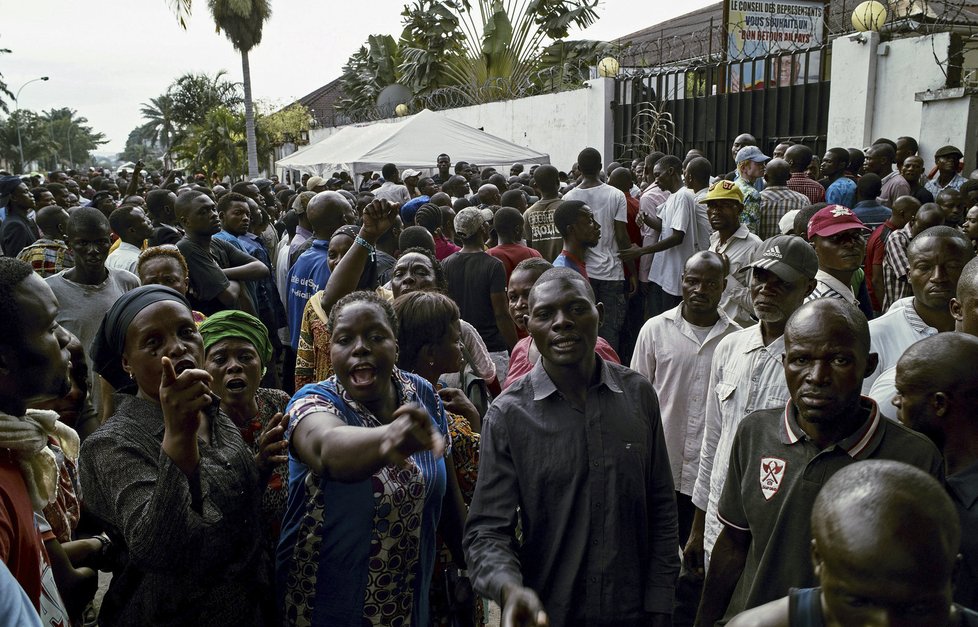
x=601, y=121
x=852, y=100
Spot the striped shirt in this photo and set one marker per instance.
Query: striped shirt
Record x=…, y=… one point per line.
x=48, y=257
x=802, y=183
x=830, y=287
x=777, y=200
x=896, y=265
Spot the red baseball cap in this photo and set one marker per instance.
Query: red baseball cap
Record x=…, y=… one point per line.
x=834, y=219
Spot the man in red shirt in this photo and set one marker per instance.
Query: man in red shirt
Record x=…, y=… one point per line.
x=34, y=361
x=508, y=223
x=904, y=208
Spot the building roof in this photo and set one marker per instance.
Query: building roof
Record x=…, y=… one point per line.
x=322, y=104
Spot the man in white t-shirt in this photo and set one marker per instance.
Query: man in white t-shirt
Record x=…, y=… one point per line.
x=604, y=268
x=684, y=231
x=392, y=190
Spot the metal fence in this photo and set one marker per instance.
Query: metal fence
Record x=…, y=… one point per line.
x=775, y=98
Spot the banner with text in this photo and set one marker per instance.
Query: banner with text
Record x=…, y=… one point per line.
x=758, y=28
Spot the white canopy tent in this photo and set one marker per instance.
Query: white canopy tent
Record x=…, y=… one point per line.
x=412, y=142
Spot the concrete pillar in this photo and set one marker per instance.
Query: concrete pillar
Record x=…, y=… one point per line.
x=949, y=116
x=852, y=101
x=600, y=121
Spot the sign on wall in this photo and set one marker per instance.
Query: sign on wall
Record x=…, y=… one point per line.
x=759, y=28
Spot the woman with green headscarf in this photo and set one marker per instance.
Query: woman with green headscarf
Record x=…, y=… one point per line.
x=236, y=352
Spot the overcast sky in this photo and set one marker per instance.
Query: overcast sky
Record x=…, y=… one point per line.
x=106, y=58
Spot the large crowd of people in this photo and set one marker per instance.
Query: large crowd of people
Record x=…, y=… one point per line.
x=636, y=393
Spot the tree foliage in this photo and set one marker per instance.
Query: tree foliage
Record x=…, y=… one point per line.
x=218, y=144
x=4, y=90
x=195, y=94
x=483, y=49
x=286, y=125
x=53, y=139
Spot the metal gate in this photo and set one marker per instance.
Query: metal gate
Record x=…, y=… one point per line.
x=775, y=98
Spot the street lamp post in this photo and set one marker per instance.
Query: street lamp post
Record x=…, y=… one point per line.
x=20, y=147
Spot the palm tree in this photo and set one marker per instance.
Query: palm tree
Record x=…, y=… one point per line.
x=242, y=22
x=159, y=127
x=194, y=95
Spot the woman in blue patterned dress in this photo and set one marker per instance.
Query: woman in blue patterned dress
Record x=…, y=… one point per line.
x=367, y=477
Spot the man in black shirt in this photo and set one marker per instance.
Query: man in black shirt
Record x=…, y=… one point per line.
x=575, y=449
x=884, y=543
x=477, y=283
x=780, y=459
x=160, y=205
x=216, y=267
x=444, y=164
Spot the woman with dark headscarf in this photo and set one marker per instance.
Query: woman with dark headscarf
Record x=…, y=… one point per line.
x=237, y=351
x=170, y=477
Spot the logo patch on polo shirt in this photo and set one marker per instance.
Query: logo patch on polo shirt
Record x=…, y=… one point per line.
x=772, y=472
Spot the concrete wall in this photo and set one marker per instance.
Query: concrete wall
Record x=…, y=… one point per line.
x=874, y=87
x=559, y=124
x=950, y=116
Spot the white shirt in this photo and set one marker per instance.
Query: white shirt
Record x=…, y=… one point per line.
x=892, y=333
x=745, y=376
x=830, y=287
x=680, y=212
x=124, y=257
x=648, y=204
x=883, y=391
x=392, y=192
x=739, y=250
x=672, y=357
x=609, y=206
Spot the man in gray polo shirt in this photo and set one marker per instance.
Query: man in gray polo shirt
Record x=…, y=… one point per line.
x=782, y=457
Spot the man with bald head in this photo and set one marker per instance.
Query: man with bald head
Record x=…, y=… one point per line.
x=964, y=306
x=937, y=257
x=799, y=157
x=884, y=547
x=327, y=211
x=674, y=352
x=936, y=394
x=896, y=263
x=782, y=456
x=777, y=198
x=456, y=187
x=488, y=195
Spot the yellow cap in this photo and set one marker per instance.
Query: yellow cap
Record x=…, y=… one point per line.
x=724, y=190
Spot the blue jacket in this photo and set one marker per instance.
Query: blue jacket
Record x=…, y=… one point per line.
x=306, y=277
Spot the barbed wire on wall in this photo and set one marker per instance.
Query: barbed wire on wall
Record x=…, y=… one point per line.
x=709, y=43
x=707, y=46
